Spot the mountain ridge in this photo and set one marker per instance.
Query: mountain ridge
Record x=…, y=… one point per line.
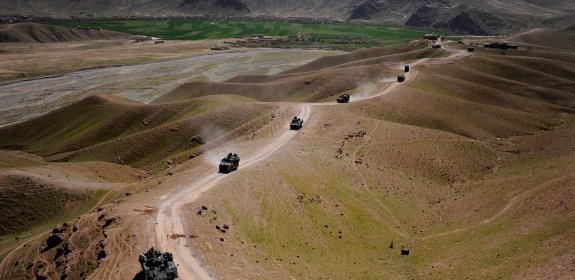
x=474, y=17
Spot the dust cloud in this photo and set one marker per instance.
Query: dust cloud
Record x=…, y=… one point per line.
x=214, y=156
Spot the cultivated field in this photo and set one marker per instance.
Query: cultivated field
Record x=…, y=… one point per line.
x=187, y=29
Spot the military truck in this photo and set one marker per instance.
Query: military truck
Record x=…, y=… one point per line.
x=296, y=123
x=158, y=266
x=229, y=163
x=500, y=45
x=432, y=37
x=344, y=98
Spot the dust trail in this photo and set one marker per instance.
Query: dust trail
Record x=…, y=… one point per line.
x=170, y=219
x=170, y=216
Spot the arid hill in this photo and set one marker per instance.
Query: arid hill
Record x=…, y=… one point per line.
x=41, y=33
x=469, y=164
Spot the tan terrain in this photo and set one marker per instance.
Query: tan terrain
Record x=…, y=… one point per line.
x=469, y=164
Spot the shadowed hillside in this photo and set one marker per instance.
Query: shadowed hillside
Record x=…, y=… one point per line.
x=111, y=129
x=40, y=33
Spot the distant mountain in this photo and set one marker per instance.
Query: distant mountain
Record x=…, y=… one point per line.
x=467, y=16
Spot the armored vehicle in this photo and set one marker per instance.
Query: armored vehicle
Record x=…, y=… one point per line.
x=230, y=163
x=406, y=67
x=296, y=123
x=401, y=78
x=158, y=266
x=501, y=45
x=431, y=37
x=344, y=98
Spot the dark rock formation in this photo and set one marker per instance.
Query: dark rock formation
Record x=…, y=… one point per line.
x=461, y=19
x=52, y=241
x=366, y=10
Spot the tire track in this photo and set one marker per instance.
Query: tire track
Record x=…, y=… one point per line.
x=170, y=219
x=511, y=204
x=170, y=216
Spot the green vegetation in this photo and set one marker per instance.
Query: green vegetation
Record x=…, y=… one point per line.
x=185, y=29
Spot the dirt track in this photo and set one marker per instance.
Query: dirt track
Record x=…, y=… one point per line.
x=170, y=218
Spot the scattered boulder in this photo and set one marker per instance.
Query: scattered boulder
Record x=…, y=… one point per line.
x=59, y=229
x=101, y=255
x=52, y=241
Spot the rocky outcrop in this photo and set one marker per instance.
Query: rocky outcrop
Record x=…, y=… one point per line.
x=237, y=5
x=222, y=6
x=366, y=10
x=461, y=19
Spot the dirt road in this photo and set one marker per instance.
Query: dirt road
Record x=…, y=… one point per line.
x=170, y=219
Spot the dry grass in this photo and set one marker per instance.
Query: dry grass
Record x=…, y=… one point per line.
x=470, y=165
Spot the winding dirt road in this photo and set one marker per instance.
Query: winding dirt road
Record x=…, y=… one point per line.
x=170, y=219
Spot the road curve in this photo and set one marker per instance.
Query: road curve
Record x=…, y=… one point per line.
x=170, y=218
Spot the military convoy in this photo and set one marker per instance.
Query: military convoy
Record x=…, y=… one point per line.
x=500, y=45
x=158, y=266
x=229, y=163
x=296, y=123
x=344, y=98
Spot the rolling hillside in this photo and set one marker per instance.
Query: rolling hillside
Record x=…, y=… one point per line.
x=469, y=164
x=39, y=33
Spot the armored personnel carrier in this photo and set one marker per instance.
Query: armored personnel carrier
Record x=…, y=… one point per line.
x=230, y=163
x=344, y=98
x=431, y=37
x=158, y=266
x=500, y=45
x=401, y=79
x=296, y=123
x=406, y=68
